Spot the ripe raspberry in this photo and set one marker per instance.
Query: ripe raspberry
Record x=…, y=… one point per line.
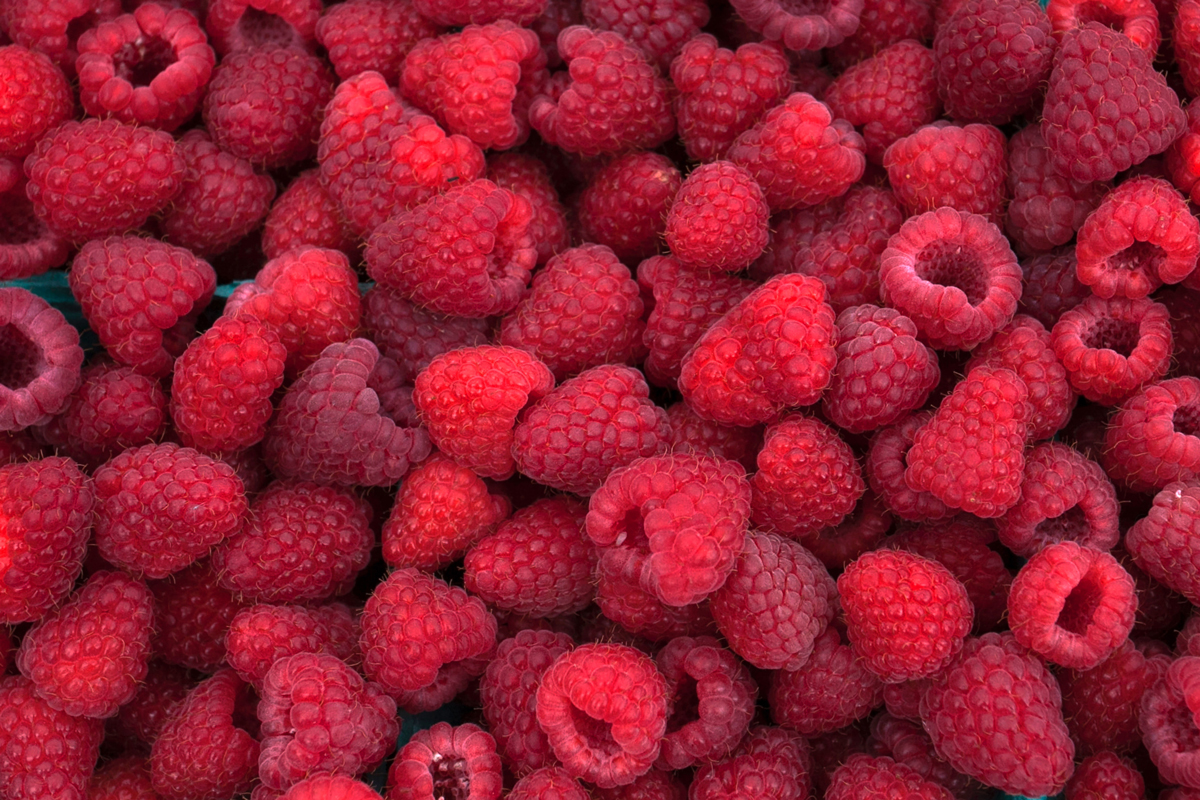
x=771, y=758
x=260, y=635
x=549, y=783
x=529, y=177
x=863, y=530
x=1180, y=159
x=445, y=760
x=1051, y=286
x=888, y=96
x=264, y=105
x=953, y=274
x=865, y=777
x=659, y=29
x=222, y=386
x=908, y=745
x=800, y=25
x=414, y=338
x=123, y=778
x=958, y=711
x=829, y=690
x=749, y=366
x=52, y=27
x=1137, y=19
x=625, y=204
x=28, y=247
x=886, y=464
x=249, y=25
x=1106, y=775
x=538, y=562
x=192, y=615
x=1152, y=440
x=1103, y=703
x=776, y=601
x=965, y=168
x=1168, y=724
x=1111, y=348
x=46, y=753
x=603, y=708
x=1090, y=138
x=330, y=787
x=306, y=214
x=693, y=435
x=479, y=12
x=601, y=419
x=791, y=237
x=615, y=99
x=1161, y=542
x=37, y=96
x=159, y=695
x=133, y=172
x=301, y=542
x=202, y=752
x=372, y=35
x=145, y=68
x=637, y=616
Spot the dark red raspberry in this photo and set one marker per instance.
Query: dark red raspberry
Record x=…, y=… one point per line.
x=447, y=759
x=372, y=35
x=149, y=67
x=774, y=604
x=693, y=434
x=882, y=24
x=1111, y=348
x=123, y=778
x=625, y=204
x=1169, y=728
x=1185, y=328
x=771, y=758
x=53, y=26
x=1106, y=774
x=865, y=777
x=828, y=691
x=479, y=12
x=549, y=783
x=908, y=745
x=639, y=617
x=558, y=14
x=660, y=28
x=954, y=275
x=886, y=464
x=529, y=177
x=202, y=752
x=1051, y=286
x=863, y=530
x=37, y=95
x=1154, y=438
x=306, y=214
x=615, y=99
x=191, y=616
x=249, y=25
x=46, y=753
x=888, y=96
x=1102, y=703
x=330, y=787
x=1184, y=27
x=260, y=635
x=965, y=168
x=718, y=220
x=958, y=711
x=1162, y=542
x=27, y=245
x=264, y=105
x=801, y=25
x=1106, y=109
x=414, y=338
x=47, y=508
x=1137, y=19
x=133, y=173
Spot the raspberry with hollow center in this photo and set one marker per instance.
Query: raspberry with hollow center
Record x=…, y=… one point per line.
x=801, y=24
x=1154, y=438
x=247, y=25
x=43, y=360
x=447, y=761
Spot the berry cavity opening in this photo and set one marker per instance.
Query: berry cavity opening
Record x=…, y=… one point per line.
x=950, y=264
x=596, y=734
x=1079, y=607
x=23, y=359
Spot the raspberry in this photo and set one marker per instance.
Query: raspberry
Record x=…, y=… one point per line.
x=953, y=274
x=222, y=386
x=264, y=105
x=603, y=708
x=863, y=530
x=133, y=172
x=202, y=752
x=1051, y=286
x=479, y=12
x=1152, y=440
x=412, y=337
x=882, y=24
x=260, y=635
x=1168, y=724
x=529, y=177
x=149, y=67
x=1106, y=774
x=249, y=25
x=301, y=542
x=882, y=372
x=549, y=783
x=1185, y=41
x=156, y=700
x=37, y=96
x=801, y=25
x=46, y=752
x=1137, y=19
x=310, y=702
x=582, y=310
x=640, y=618
x=445, y=760
x=771, y=758
x=1046, y=208
x=27, y=245
x=959, y=708
x=660, y=29
x=43, y=363
x=970, y=455
x=828, y=691
x=909, y=746
x=1111, y=348
x=538, y=562
x=468, y=252
x=694, y=435
x=615, y=99
x=1180, y=159
x=653, y=785
x=774, y=350
x=775, y=603
x=372, y=35
x=1106, y=109
x=886, y=463
x=305, y=214
x=993, y=57
x=1102, y=703
x=864, y=776
x=192, y=616
x=718, y=221
x=601, y=419
x=52, y=27
x=124, y=778
x=1161, y=542
x=625, y=204
x=888, y=96
x=965, y=168
x=330, y=787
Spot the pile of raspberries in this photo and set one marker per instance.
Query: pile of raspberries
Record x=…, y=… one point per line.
x=706, y=399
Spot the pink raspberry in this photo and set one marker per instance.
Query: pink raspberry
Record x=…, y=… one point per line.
x=45, y=752
x=479, y=12
x=830, y=690
x=192, y=615
x=37, y=94
x=1051, y=286
x=28, y=247
x=625, y=204
x=1137, y=19
x=965, y=168
x=773, y=758
x=372, y=35
x=53, y=26
x=953, y=274
x=718, y=220
x=1103, y=703
x=660, y=28
x=529, y=177
x=1153, y=439
x=43, y=361
x=247, y=25
x=801, y=25
x=886, y=464
x=306, y=214
x=447, y=759
x=864, y=776
x=260, y=635
x=614, y=101
x=550, y=783
x=1169, y=729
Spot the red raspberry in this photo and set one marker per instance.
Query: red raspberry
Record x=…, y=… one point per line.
x=202, y=752
x=970, y=455
x=888, y=96
x=828, y=691
x=908, y=745
x=318, y=715
x=1051, y=286
x=1153, y=439
x=260, y=635
x=156, y=700
x=799, y=25
x=693, y=435
x=660, y=28
x=414, y=338
x=149, y=67
x=558, y=14
x=330, y=787
x=778, y=365
x=445, y=760
x=28, y=247
x=192, y=615
x=124, y=778
x=1046, y=208
x=302, y=541
x=1162, y=542
x=771, y=758
x=529, y=177
x=863, y=530
x=1181, y=159
x=1090, y=138
x=965, y=168
x=882, y=24
x=133, y=173
x=550, y=783
x=792, y=235
x=625, y=204
x=1106, y=774
x=264, y=105
x=642, y=618
x=372, y=35
x=46, y=753
x=470, y=398
x=1111, y=348
x=886, y=463
x=479, y=12
x=582, y=310
x=468, y=252
x=37, y=96
x=718, y=220
x=1168, y=724
x=958, y=711
x=1185, y=328
x=653, y=785
x=222, y=386
x=604, y=708
x=306, y=214
x=615, y=99
x=249, y=25
x=53, y=26
x=1184, y=28
x=1137, y=19
x=1102, y=703
x=538, y=562
x=601, y=419
x=774, y=604
x=865, y=777
x=954, y=275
